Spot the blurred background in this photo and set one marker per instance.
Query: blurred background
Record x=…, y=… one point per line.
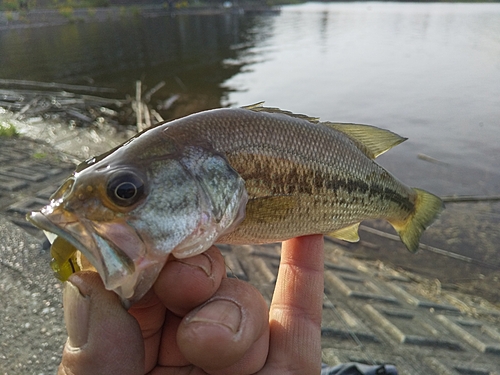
x=427, y=71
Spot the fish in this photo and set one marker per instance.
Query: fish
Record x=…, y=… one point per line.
x=249, y=175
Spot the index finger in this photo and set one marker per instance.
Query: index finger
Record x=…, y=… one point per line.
x=296, y=308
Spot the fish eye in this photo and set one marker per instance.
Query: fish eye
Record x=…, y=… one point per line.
x=125, y=188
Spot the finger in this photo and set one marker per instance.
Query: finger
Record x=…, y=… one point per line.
x=186, y=283
x=103, y=337
x=229, y=333
x=150, y=315
x=182, y=285
x=296, y=308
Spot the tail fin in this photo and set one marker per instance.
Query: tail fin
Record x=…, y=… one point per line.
x=427, y=209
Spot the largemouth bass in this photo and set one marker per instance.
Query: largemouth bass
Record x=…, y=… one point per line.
x=239, y=176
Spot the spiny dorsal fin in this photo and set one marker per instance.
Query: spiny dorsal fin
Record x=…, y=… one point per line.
x=349, y=233
x=371, y=140
x=253, y=107
x=259, y=107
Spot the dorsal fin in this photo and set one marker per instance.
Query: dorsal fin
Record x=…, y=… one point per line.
x=259, y=107
x=371, y=140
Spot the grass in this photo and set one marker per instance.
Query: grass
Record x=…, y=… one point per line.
x=39, y=155
x=8, y=130
x=66, y=11
x=9, y=16
x=135, y=10
x=284, y=2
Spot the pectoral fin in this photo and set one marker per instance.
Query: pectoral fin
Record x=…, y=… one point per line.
x=270, y=209
x=349, y=233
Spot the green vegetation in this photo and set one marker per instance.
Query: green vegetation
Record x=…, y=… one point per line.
x=24, y=5
x=135, y=10
x=9, y=16
x=16, y=5
x=67, y=7
x=284, y=2
x=10, y=5
x=80, y=3
x=97, y=3
x=39, y=155
x=67, y=11
x=8, y=130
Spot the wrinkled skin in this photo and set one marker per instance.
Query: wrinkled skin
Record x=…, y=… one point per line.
x=206, y=324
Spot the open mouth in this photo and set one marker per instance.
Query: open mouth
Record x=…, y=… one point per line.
x=67, y=256
x=79, y=245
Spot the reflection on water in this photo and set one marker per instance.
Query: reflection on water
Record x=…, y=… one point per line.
x=430, y=72
x=193, y=54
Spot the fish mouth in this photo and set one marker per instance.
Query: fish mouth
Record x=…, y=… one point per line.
x=43, y=222
x=122, y=270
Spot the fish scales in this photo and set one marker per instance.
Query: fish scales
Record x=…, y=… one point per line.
x=293, y=169
x=240, y=176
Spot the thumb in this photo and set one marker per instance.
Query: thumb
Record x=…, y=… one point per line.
x=103, y=338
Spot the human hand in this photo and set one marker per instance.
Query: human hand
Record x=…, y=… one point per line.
x=196, y=321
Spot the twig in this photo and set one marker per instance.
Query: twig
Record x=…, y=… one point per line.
x=99, y=100
x=10, y=105
x=108, y=112
x=25, y=108
x=80, y=116
x=60, y=96
x=166, y=104
x=180, y=83
x=148, y=94
x=138, y=104
x=54, y=85
x=432, y=249
x=430, y=159
x=157, y=116
x=470, y=198
x=147, y=117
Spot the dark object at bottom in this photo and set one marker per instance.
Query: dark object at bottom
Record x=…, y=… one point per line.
x=359, y=369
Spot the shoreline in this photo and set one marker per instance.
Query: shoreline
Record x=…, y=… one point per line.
x=54, y=17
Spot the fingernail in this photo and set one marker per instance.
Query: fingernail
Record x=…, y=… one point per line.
x=76, y=315
x=221, y=312
x=202, y=261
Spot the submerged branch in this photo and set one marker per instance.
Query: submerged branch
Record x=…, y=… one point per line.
x=470, y=198
x=80, y=109
x=432, y=249
x=54, y=85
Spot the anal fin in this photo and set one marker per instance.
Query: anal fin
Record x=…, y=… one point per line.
x=349, y=233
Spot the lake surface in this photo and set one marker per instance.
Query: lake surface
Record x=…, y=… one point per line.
x=429, y=72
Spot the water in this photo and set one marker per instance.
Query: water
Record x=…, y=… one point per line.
x=186, y=52
x=430, y=72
